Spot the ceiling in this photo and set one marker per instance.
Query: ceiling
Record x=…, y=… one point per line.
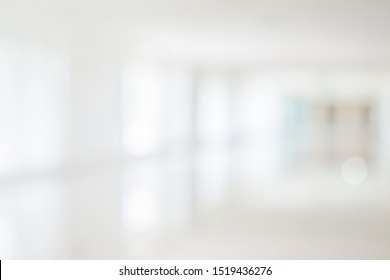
x=279, y=31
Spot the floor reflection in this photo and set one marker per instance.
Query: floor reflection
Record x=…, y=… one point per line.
x=194, y=207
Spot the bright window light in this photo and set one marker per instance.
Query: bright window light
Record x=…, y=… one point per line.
x=31, y=109
x=213, y=110
x=143, y=101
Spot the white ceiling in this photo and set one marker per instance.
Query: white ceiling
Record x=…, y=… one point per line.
x=292, y=31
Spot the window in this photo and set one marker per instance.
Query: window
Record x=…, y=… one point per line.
x=31, y=109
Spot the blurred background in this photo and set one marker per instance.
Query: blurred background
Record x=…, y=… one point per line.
x=200, y=129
